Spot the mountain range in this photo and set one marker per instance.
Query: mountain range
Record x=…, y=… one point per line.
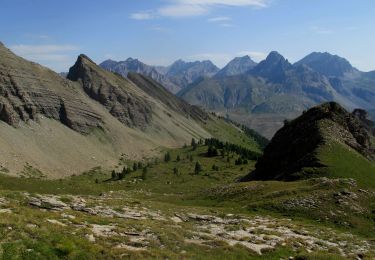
x=261, y=95
x=275, y=89
x=174, y=77
x=63, y=126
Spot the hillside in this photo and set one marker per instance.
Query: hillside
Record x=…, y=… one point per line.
x=171, y=210
x=51, y=126
x=324, y=141
x=275, y=89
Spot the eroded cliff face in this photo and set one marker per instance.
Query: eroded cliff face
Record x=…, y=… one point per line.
x=28, y=90
x=113, y=92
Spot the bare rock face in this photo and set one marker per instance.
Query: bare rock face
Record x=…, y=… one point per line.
x=114, y=92
x=28, y=89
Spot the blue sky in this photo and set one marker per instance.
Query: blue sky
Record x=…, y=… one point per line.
x=53, y=32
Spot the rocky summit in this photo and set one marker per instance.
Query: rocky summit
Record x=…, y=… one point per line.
x=28, y=90
x=295, y=147
x=113, y=92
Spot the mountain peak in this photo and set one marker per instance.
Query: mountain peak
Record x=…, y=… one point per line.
x=274, y=67
x=83, y=57
x=328, y=64
x=237, y=66
x=274, y=56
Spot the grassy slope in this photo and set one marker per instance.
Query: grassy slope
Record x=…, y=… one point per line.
x=226, y=132
x=209, y=188
x=343, y=162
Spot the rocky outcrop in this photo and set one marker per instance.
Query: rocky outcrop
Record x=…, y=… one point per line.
x=28, y=90
x=295, y=145
x=113, y=92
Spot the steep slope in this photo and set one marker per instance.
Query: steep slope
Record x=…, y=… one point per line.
x=237, y=66
x=311, y=145
x=134, y=65
x=184, y=73
x=157, y=91
x=51, y=126
x=28, y=89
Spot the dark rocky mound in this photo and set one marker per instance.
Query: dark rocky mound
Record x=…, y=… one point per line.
x=114, y=92
x=295, y=145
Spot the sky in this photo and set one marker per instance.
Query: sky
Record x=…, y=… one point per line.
x=158, y=32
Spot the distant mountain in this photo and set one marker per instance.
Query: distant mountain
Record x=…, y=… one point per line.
x=174, y=77
x=63, y=74
x=237, y=66
x=134, y=65
x=275, y=89
x=184, y=73
x=328, y=65
x=315, y=144
x=274, y=68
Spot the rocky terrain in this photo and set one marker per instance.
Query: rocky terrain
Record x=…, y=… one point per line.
x=295, y=146
x=28, y=89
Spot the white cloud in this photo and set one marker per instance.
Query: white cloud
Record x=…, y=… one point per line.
x=182, y=10
x=219, y=19
x=143, y=15
x=56, y=57
x=189, y=8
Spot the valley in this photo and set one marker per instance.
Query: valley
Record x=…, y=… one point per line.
x=185, y=129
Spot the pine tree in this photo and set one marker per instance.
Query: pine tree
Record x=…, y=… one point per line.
x=144, y=173
x=194, y=144
x=198, y=168
x=178, y=158
x=175, y=171
x=167, y=157
x=114, y=175
x=135, y=167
